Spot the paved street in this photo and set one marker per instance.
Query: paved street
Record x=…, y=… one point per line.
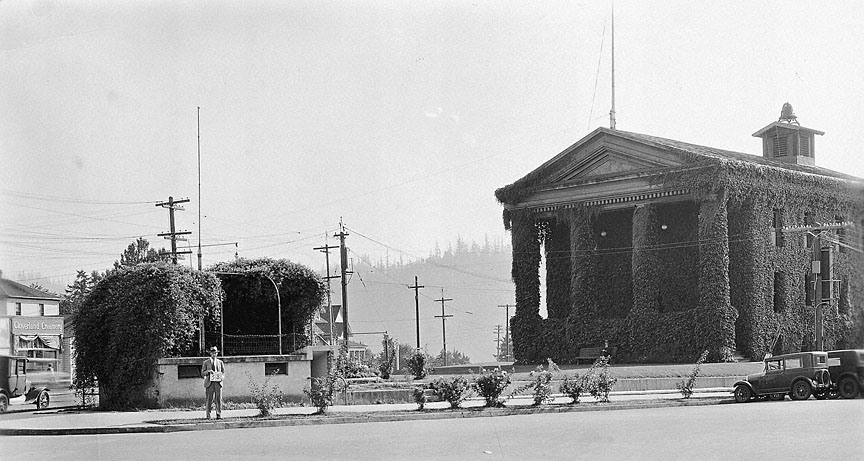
x=760, y=430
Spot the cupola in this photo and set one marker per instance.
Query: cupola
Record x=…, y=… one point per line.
x=787, y=141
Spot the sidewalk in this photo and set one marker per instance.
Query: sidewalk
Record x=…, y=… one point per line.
x=75, y=422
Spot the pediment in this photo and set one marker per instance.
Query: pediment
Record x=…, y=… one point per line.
x=605, y=163
x=602, y=163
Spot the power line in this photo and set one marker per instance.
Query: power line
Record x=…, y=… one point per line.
x=54, y=198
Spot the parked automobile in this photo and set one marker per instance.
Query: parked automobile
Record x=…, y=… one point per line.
x=847, y=372
x=800, y=375
x=14, y=383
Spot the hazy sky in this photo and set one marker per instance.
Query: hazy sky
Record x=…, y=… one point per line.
x=402, y=118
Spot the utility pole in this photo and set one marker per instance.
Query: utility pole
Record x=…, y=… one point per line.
x=444, y=323
x=171, y=205
x=821, y=271
x=498, y=342
x=417, y=287
x=202, y=337
x=326, y=250
x=507, y=334
x=199, y=192
x=343, y=259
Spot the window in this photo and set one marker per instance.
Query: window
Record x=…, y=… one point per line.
x=17, y=308
x=777, y=225
x=41, y=309
x=773, y=365
x=793, y=363
x=188, y=371
x=809, y=220
x=275, y=369
x=841, y=234
x=779, y=291
x=833, y=361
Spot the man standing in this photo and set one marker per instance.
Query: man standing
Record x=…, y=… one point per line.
x=213, y=370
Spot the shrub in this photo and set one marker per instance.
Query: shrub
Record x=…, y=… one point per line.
x=686, y=387
x=454, y=390
x=355, y=368
x=321, y=390
x=542, y=383
x=597, y=380
x=265, y=397
x=491, y=385
x=420, y=398
x=572, y=387
x=385, y=367
x=417, y=365
x=320, y=393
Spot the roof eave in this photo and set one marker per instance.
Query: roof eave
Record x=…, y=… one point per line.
x=759, y=133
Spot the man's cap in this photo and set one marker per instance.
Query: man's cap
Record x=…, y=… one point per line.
x=214, y=349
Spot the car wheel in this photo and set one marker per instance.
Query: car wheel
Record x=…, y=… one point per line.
x=801, y=390
x=847, y=388
x=4, y=403
x=742, y=393
x=777, y=397
x=43, y=400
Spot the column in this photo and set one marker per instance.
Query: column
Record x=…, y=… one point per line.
x=718, y=317
x=558, y=271
x=525, y=327
x=646, y=257
x=582, y=245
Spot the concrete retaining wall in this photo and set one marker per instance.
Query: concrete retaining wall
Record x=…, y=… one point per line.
x=172, y=384
x=360, y=396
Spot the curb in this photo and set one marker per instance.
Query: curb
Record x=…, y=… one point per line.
x=372, y=417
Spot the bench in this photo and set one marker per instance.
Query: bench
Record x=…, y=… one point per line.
x=594, y=353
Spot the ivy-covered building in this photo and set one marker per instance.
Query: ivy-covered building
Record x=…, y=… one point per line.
x=664, y=249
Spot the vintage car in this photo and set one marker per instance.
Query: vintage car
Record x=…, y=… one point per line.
x=847, y=372
x=800, y=375
x=14, y=383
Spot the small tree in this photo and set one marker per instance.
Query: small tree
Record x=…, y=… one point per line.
x=454, y=390
x=572, y=387
x=597, y=380
x=386, y=360
x=491, y=385
x=541, y=383
x=417, y=365
x=686, y=387
x=419, y=398
x=75, y=293
x=454, y=357
x=320, y=390
x=139, y=252
x=265, y=397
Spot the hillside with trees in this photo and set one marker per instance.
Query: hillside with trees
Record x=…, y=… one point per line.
x=475, y=276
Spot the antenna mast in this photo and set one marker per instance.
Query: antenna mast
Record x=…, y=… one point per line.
x=199, y=188
x=612, y=111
